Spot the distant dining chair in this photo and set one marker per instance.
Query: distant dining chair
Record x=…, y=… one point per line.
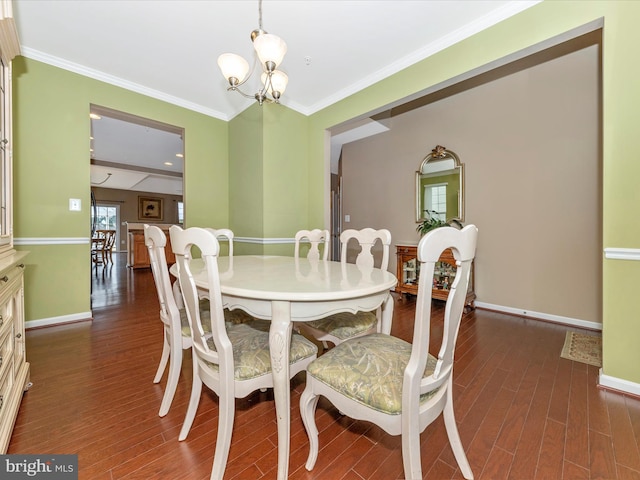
x=101, y=246
x=224, y=233
x=341, y=326
x=237, y=315
x=235, y=360
x=176, y=331
x=108, y=246
x=315, y=238
x=397, y=385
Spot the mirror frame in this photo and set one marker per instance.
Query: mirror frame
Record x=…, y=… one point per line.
x=440, y=153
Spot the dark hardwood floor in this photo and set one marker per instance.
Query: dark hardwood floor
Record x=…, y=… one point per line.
x=523, y=412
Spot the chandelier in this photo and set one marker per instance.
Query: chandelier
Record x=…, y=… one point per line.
x=269, y=50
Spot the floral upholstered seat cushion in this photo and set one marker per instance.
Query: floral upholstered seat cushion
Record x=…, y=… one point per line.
x=205, y=318
x=251, y=356
x=369, y=370
x=346, y=325
x=238, y=316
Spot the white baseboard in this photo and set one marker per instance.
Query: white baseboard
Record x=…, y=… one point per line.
x=607, y=381
x=48, y=322
x=574, y=322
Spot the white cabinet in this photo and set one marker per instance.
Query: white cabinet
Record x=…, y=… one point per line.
x=14, y=369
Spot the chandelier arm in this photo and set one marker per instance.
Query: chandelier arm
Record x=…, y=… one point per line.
x=234, y=88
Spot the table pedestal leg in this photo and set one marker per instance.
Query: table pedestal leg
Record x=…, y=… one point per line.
x=279, y=345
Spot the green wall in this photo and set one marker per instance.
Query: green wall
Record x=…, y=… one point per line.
x=51, y=165
x=268, y=160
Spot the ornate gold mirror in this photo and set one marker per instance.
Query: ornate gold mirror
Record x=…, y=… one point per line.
x=440, y=186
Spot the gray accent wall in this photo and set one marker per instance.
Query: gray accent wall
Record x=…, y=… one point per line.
x=530, y=147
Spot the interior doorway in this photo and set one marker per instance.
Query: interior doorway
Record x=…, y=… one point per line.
x=133, y=160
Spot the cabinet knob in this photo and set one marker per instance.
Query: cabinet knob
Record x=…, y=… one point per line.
x=19, y=335
x=4, y=279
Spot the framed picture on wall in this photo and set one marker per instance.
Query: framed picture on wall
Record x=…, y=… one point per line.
x=150, y=208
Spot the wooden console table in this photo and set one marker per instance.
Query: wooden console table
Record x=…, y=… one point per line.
x=408, y=273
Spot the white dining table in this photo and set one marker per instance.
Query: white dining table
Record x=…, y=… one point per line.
x=288, y=289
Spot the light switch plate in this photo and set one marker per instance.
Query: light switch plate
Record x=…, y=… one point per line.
x=75, y=205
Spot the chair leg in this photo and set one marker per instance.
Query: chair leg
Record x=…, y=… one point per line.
x=411, y=461
x=164, y=359
x=175, y=365
x=454, y=436
x=225, y=429
x=308, y=404
x=194, y=401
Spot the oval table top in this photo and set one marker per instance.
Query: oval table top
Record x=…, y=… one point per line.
x=268, y=277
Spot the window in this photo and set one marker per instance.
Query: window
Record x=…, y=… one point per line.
x=106, y=218
x=181, y=213
x=435, y=198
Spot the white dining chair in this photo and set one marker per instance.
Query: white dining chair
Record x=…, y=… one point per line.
x=341, y=326
x=176, y=331
x=237, y=315
x=315, y=238
x=235, y=360
x=397, y=385
x=223, y=234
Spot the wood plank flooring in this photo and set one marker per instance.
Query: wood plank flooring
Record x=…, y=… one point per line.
x=523, y=412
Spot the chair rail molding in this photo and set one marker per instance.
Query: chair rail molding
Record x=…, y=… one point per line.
x=23, y=241
x=614, y=253
x=265, y=241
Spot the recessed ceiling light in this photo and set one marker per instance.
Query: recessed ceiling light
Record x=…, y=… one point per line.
x=168, y=164
x=179, y=155
x=94, y=116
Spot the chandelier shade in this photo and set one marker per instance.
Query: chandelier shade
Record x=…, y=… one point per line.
x=269, y=52
x=234, y=68
x=277, y=84
x=270, y=49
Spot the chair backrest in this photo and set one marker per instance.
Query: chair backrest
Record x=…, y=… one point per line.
x=366, y=238
x=463, y=245
x=182, y=242
x=156, y=240
x=110, y=239
x=315, y=237
x=224, y=233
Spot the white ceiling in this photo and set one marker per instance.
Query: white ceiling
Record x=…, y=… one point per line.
x=168, y=49
x=127, y=155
